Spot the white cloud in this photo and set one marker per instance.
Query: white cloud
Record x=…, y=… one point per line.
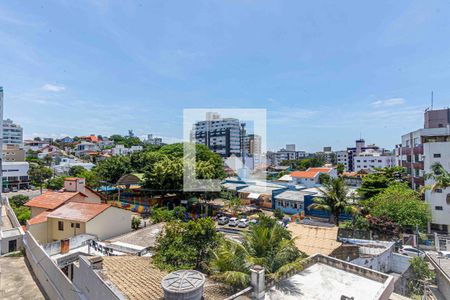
x=53, y=87
x=388, y=102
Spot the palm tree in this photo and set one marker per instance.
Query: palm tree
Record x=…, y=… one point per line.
x=234, y=204
x=440, y=176
x=334, y=199
x=267, y=244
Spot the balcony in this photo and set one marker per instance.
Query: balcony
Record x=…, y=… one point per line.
x=412, y=165
x=417, y=150
x=419, y=181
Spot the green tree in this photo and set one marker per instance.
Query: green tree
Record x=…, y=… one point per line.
x=421, y=273
x=186, y=245
x=402, y=205
x=267, y=244
x=278, y=213
x=234, y=205
x=440, y=176
x=340, y=168
x=75, y=171
x=165, y=175
x=55, y=183
x=39, y=174
x=135, y=222
x=19, y=200
x=373, y=184
x=334, y=199
x=111, y=169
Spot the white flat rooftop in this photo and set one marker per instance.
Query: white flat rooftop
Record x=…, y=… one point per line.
x=321, y=281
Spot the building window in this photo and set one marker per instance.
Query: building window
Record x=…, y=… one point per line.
x=438, y=207
x=60, y=225
x=438, y=191
x=77, y=225
x=436, y=155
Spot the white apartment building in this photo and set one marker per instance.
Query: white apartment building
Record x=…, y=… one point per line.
x=12, y=133
x=421, y=149
x=122, y=150
x=371, y=159
x=154, y=140
x=221, y=135
x=15, y=175
x=342, y=158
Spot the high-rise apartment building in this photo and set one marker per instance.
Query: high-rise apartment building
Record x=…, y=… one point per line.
x=252, y=144
x=221, y=135
x=12, y=133
x=347, y=157
x=421, y=149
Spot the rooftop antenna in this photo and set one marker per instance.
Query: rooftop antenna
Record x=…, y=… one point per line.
x=432, y=99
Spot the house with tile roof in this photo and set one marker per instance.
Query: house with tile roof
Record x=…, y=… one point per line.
x=74, y=218
x=310, y=177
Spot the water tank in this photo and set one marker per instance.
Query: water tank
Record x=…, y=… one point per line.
x=183, y=285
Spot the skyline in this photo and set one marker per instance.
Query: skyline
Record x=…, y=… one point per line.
x=327, y=74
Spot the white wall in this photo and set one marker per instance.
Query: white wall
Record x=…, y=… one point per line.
x=371, y=162
x=433, y=198
x=110, y=223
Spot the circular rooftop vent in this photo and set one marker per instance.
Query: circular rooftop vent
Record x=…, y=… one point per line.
x=183, y=284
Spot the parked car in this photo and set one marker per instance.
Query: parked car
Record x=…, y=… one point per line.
x=411, y=251
x=444, y=254
x=223, y=220
x=254, y=221
x=233, y=222
x=243, y=223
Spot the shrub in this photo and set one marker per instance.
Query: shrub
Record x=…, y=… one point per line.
x=278, y=213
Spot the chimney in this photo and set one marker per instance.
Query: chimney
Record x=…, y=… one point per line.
x=74, y=185
x=96, y=262
x=257, y=281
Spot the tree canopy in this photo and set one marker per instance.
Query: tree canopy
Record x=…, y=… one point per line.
x=373, y=184
x=402, y=205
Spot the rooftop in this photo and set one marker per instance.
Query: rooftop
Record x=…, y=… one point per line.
x=40, y=218
x=145, y=237
x=310, y=173
x=315, y=239
x=51, y=199
x=137, y=278
x=329, y=278
x=77, y=211
x=292, y=195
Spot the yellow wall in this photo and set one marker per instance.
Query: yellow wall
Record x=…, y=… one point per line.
x=35, y=211
x=39, y=232
x=55, y=235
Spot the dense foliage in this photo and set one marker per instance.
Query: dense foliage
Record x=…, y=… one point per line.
x=163, y=214
x=421, y=273
x=334, y=199
x=17, y=204
x=402, y=205
x=266, y=244
x=186, y=245
x=305, y=163
x=373, y=184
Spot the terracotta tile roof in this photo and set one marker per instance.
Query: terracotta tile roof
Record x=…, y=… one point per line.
x=51, y=199
x=315, y=239
x=71, y=178
x=310, y=173
x=40, y=218
x=78, y=211
x=137, y=278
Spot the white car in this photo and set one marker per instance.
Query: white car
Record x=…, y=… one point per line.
x=243, y=223
x=233, y=222
x=444, y=254
x=411, y=251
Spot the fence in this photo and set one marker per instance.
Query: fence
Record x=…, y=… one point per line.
x=55, y=284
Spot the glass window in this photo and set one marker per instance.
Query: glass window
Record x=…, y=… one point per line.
x=438, y=207
x=60, y=225
x=436, y=155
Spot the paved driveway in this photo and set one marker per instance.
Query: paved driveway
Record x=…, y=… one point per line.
x=16, y=281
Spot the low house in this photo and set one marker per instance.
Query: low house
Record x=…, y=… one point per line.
x=15, y=175
x=74, y=218
x=311, y=177
x=291, y=202
x=85, y=148
x=259, y=195
x=74, y=190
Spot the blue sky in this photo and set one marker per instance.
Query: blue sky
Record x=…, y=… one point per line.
x=326, y=71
